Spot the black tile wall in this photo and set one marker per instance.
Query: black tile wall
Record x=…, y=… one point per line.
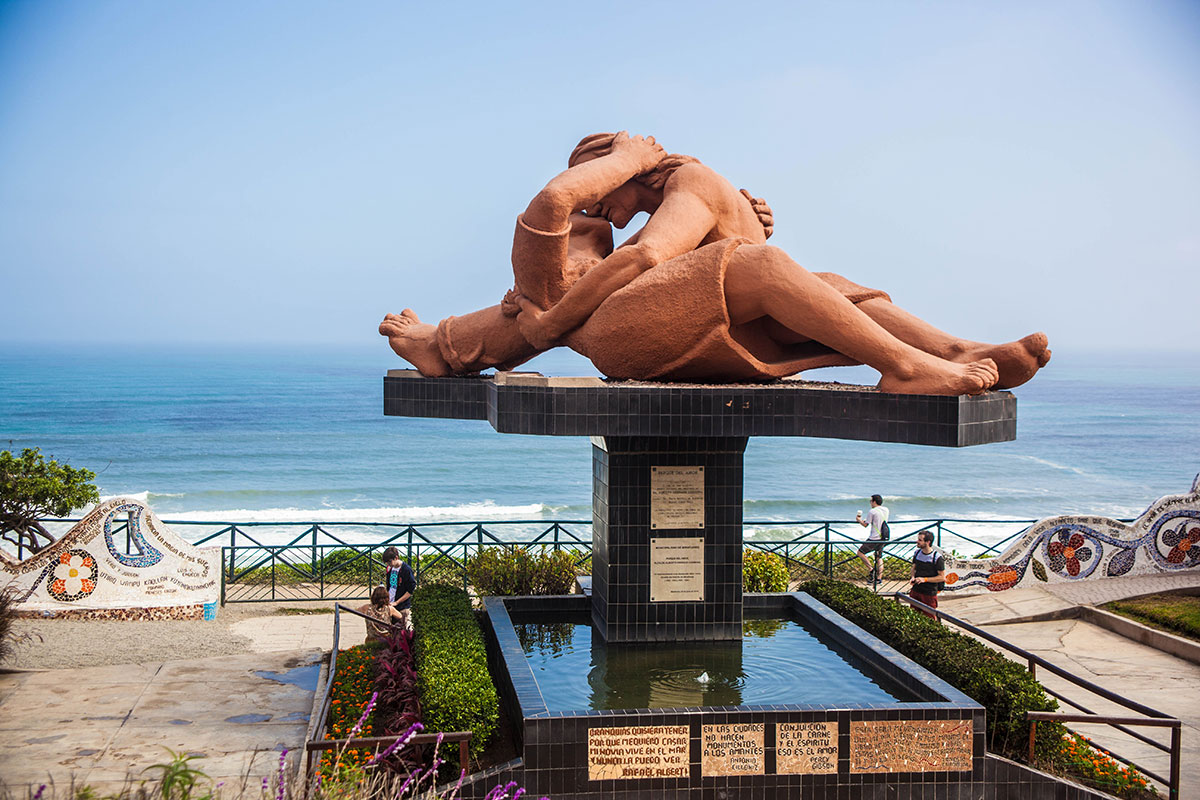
x=621, y=607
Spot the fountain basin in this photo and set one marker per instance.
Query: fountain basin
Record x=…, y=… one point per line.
x=925, y=731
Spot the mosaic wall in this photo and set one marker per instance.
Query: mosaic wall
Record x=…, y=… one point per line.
x=1165, y=538
x=150, y=573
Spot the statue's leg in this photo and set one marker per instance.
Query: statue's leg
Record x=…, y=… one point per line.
x=762, y=281
x=1017, y=361
x=483, y=339
x=470, y=343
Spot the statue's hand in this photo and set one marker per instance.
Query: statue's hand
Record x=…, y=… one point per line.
x=532, y=326
x=644, y=151
x=510, y=306
x=762, y=211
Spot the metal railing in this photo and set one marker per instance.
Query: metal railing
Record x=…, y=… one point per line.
x=266, y=561
x=318, y=561
x=1152, y=717
x=462, y=738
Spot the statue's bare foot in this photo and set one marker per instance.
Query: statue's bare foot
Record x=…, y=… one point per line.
x=1017, y=361
x=415, y=342
x=927, y=374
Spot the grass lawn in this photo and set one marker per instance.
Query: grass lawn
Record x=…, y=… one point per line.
x=1174, y=613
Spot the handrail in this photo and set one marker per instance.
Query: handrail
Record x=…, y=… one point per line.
x=310, y=747
x=1175, y=749
x=1156, y=718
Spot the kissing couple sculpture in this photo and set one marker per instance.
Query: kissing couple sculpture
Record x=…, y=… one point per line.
x=695, y=295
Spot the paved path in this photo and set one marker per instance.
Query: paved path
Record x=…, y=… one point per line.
x=1044, y=600
x=1102, y=657
x=104, y=725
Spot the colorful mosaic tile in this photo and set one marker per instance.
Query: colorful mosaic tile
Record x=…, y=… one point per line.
x=87, y=570
x=74, y=576
x=1165, y=538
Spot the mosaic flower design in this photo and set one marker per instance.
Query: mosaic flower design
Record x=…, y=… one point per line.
x=74, y=576
x=1184, y=542
x=1067, y=551
x=1001, y=577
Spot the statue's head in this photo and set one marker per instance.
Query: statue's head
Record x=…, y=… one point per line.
x=600, y=144
x=642, y=193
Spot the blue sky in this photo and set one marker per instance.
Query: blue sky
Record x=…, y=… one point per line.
x=289, y=172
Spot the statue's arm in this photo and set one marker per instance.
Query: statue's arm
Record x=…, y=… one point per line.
x=679, y=225
x=584, y=184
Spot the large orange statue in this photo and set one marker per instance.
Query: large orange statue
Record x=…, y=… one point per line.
x=696, y=294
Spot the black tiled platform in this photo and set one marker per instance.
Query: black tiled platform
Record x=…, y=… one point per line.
x=532, y=404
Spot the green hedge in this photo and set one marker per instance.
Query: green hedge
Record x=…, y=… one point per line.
x=518, y=571
x=457, y=693
x=1004, y=688
x=763, y=572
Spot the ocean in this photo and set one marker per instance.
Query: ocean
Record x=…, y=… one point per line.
x=270, y=433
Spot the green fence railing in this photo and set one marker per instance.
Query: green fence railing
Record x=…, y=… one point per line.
x=271, y=561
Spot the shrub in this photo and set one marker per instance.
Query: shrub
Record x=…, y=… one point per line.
x=1081, y=759
x=515, y=571
x=32, y=488
x=1004, y=688
x=397, y=707
x=347, y=565
x=351, y=693
x=845, y=565
x=456, y=689
x=763, y=572
x=441, y=567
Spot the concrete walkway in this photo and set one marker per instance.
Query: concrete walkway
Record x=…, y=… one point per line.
x=1027, y=618
x=1044, y=601
x=103, y=726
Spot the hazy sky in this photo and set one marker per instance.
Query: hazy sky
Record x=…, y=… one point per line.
x=263, y=172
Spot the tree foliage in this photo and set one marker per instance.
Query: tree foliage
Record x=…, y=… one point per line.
x=32, y=488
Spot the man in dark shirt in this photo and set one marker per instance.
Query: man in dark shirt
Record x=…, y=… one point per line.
x=400, y=583
x=928, y=573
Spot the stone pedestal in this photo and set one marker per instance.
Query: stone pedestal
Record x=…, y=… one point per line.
x=643, y=588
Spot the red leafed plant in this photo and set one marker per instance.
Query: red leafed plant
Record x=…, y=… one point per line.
x=396, y=683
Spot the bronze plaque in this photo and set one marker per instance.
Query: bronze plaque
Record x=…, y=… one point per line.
x=732, y=749
x=659, y=751
x=805, y=748
x=911, y=746
x=676, y=569
x=677, y=498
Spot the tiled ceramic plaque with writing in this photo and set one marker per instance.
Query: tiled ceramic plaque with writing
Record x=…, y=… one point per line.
x=732, y=749
x=656, y=751
x=805, y=748
x=911, y=746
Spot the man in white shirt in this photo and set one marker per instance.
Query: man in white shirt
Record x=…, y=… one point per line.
x=876, y=520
